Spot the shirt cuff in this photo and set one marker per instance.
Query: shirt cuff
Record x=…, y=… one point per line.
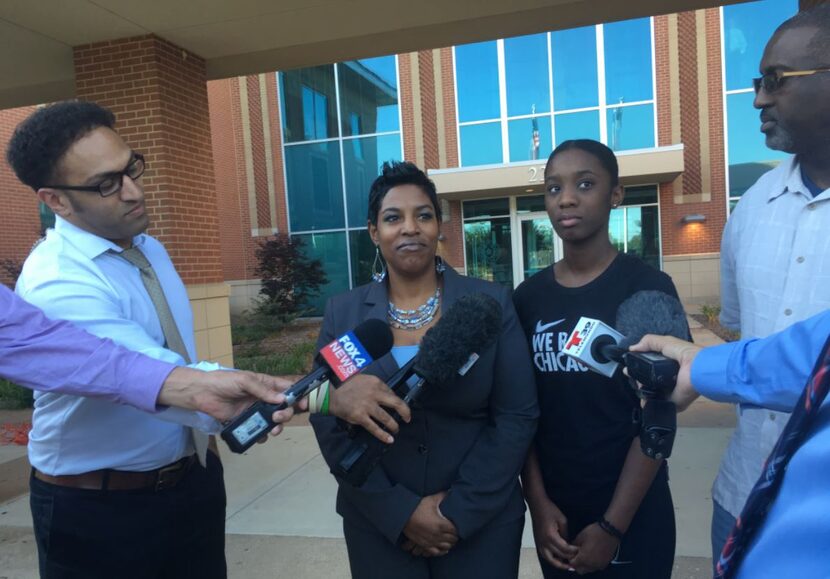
x=710, y=371
x=143, y=383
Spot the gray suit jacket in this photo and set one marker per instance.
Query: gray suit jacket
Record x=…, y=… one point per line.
x=469, y=438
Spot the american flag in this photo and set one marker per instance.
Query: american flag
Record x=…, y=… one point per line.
x=534, y=139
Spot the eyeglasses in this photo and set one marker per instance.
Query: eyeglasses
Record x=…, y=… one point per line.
x=113, y=182
x=772, y=81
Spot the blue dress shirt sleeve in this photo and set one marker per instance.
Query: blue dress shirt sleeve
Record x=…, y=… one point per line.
x=769, y=372
x=55, y=356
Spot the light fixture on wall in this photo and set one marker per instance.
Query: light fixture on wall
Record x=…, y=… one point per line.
x=693, y=218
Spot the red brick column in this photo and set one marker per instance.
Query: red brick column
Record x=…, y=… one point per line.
x=158, y=93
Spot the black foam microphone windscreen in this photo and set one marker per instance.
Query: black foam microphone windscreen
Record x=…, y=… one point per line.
x=651, y=312
x=470, y=325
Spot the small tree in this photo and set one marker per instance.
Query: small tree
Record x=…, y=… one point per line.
x=289, y=277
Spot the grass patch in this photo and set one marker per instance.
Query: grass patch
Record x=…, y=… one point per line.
x=251, y=327
x=14, y=397
x=297, y=360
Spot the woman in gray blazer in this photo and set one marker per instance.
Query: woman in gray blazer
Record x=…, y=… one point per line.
x=445, y=500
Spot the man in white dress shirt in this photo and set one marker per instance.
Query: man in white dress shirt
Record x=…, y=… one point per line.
x=115, y=492
x=775, y=254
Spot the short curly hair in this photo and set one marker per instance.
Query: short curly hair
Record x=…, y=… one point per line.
x=39, y=142
x=394, y=173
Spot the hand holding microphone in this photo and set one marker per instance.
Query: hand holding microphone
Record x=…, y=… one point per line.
x=603, y=349
x=344, y=357
x=447, y=350
x=685, y=353
x=367, y=401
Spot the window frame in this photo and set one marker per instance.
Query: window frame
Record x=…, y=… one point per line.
x=601, y=108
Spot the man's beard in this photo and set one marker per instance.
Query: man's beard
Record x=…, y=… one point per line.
x=780, y=139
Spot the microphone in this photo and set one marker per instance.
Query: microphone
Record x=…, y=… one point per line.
x=603, y=349
x=448, y=350
x=338, y=361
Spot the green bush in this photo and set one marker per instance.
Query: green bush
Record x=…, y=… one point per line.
x=297, y=360
x=712, y=312
x=13, y=397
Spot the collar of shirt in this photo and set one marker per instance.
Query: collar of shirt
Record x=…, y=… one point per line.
x=89, y=244
x=790, y=181
x=814, y=189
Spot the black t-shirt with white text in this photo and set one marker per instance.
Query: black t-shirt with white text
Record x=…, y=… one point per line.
x=587, y=421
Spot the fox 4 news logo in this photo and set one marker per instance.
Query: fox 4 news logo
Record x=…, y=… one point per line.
x=346, y=356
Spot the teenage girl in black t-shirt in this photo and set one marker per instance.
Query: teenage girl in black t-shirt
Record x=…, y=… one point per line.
x=598, y=504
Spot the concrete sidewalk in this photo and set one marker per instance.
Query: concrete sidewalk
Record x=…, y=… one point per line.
x=281, y=519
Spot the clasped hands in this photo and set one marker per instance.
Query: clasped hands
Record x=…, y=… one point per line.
x=428, y=533
x=591, y=550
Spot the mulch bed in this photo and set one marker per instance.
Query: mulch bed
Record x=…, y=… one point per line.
x=15, y=433
x=723, y=333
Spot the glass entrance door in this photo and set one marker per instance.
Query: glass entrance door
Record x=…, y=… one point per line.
x=540, y=246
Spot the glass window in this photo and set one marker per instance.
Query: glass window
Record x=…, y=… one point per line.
x=526, y=75
x=630, y=127
x=628, y=75
x=481, y=144
x=330, y=249
x=315, y=193
x=746, y=29
x=309, y=110
x=616, y=228
x=362, y=252
x=489, y=250
x=584, y=125
x=486, y=208
x=537, y=245
x=748, y=155
x=529, y=138
x=368, y=96
x=477, y=78
x=575, y=68
x=530, y=204
x=635, y=230
x=327, y=180
x=362, y=159
x=640, y=195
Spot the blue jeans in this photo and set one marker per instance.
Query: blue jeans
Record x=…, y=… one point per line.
x=722, y=524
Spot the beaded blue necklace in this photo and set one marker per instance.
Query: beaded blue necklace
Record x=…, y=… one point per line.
x=414, y=319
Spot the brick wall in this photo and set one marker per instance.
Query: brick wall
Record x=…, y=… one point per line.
x=159, y=94
x=223, y=99
x=405, y=101
x=21, y=222
x=276, y=140
x=229, y=142
x=662, y=72
x=453, y=247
